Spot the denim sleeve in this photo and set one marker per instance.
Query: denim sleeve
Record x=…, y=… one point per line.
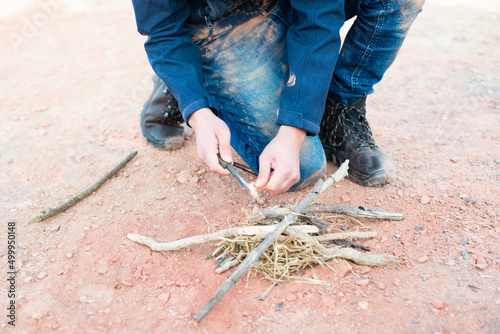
x=172, y=54
x=313, y=44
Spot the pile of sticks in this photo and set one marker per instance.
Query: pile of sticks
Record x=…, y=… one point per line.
x=284, y=233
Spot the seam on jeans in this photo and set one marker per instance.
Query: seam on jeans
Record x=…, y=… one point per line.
x=368, y=51
x=277, y=12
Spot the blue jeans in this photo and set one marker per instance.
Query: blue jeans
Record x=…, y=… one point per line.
x=245, y=69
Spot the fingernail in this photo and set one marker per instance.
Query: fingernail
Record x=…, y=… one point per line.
x=227, y=158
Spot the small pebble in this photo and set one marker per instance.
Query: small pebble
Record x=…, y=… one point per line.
x=380, y=286
x=465, y=255
x=363, y=305
x=280, y=306
x=449, y=262
x=183, y=177
x=164, y=297
x=291, y=297
x=102, y=269
x=42, y=109
x=422, y=259
x=397, y=235
x=345, y=198
x=438, y=304
x=481, y=266
x=41, y=275
x=419, y=228
x=54, y=228
x=469, y=200
x=37, y=316
x=83, y=299
x=425, y=200
x=407, y=238
x=363, y=282
x=69, y=255
x=127, y=283
x=363, y=270
x=415, y=321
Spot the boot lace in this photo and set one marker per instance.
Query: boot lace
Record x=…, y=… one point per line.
x=171, y=114
x=356, y=128
x=349, y=124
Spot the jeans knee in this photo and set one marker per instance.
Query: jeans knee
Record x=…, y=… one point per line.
x=411, y=8
x=312, y=164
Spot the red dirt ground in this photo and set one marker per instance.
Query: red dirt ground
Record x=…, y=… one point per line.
x=73, y=79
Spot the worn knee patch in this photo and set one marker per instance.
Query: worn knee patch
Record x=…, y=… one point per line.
x=312, y=163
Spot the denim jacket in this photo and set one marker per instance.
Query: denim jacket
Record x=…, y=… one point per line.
x=313, y=44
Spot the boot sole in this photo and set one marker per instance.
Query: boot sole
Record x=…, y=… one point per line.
x=170, y=143
x=377, y=178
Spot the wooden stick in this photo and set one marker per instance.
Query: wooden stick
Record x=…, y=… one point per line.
x=257, y=252
x=346, y=253
x=260, y=232
x=74, y=200
x=227, y=266
x=270, y=213
x=364, y=259
x=354, y=212
x=318, y=222
x=346, y=236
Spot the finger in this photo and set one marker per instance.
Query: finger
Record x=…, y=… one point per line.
x=224, y=147
x=264, y=173
x=282, y=180
x=208, y=155
x=225, y=150
x=214, y=164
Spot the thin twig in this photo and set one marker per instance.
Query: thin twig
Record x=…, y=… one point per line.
x=346, y=236
x=257, y=252
x=346, y=253
x=260, y=232
x=318, y=222
x=274, y=213
x=74, y=200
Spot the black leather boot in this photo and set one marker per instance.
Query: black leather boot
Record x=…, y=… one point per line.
x=161, y=119
x=346, y=134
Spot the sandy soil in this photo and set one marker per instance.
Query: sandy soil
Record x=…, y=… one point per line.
x=73, y=78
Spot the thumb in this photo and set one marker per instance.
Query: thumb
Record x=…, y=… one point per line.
x=224, y=140
x=264, y=173
x=226, y=154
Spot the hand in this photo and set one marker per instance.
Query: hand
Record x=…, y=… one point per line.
x=212, y=137
x=281, y=155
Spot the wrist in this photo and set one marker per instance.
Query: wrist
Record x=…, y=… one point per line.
x=199, y=117
x=292, y=134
